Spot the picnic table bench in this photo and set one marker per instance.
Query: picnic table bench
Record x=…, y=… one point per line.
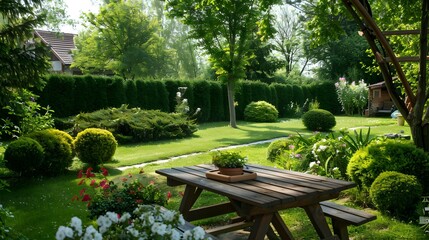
x=343, y=216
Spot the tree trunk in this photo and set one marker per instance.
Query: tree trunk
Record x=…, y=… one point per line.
x=231, y=90
x=420, y=133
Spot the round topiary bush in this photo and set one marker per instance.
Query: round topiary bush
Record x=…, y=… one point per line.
x=396, y=194
x=318, y=120
x=389, y=155
x=58, y=154
x=67, y=137
x=260, y=111
x=24, y=155
x=95, y=146
x=277, y=148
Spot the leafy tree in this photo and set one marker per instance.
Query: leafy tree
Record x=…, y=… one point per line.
x=223, y=29
x=22, y=62
x=123, y=40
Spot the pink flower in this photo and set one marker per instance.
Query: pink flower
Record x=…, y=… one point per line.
x=86, y=198
x=80, y=174
x=104, y=172
x=89, y=173
x=169, y=195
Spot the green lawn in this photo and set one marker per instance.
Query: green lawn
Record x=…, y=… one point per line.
x=41, y=205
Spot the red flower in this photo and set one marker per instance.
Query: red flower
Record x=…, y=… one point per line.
x=80, y=174
x=82, y=191
x=106, y=186
x=75, y=198
x=103, y=182
x=93, y=183
x=86, y=198
x=169, y=195
x=89, y=172
x=104, y=172
x=81, y=182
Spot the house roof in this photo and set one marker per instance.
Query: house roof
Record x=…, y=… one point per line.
x=377, y=85
x=61, y=44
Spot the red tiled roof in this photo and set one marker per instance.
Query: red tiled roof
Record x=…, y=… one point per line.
x=61, y=44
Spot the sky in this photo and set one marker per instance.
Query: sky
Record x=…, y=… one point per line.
x=74, y=9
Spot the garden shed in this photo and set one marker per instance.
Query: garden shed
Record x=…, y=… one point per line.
x=379, y=101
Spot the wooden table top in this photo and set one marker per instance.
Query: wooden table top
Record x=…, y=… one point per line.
x=272, y=188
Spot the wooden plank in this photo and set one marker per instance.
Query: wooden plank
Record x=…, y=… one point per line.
x=186, y=176
x=317, y=218
x=260, y=228
x=210, y=211
x=353, y=216
x=229, y=228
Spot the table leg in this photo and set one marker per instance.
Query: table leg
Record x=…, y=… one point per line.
x=189, y=197
x=260, y=227
x=281, y=227
x=317, y=218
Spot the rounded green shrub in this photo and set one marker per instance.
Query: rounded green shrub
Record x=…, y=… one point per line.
x=277, y=148
x=260, y=111
x=396, y=194
x=67, y=137
x=24, y=155
x=318, y=120
x=389, y=155
x=95, y=146
x=58, y=155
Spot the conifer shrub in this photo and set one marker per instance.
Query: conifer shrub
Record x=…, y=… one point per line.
x=260, y=111
x=396, y=194
x=95, y=146
x=58, y=154
x=318, y=120
x=24, y=155
x=389, y=155
x=67, y=137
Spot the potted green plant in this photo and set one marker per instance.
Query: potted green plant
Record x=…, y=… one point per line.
x=229, y=162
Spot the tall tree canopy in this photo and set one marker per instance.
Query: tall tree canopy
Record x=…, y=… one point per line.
x=224, y=29
x=123, y=40
x=22, y=62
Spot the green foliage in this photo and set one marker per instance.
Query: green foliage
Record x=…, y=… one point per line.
x=276, y=149
x=58, y=154
x=67, y=137
x=358, y=141
x=396, y=194
x=24, y=156
x=260, y=111
x=217, y=110
x=137, y=125
x=331, y=156
x=318, y=120
x=125, y=198
x=390, y=155
x=95, y=146
x=22, y=65
x=325, y=93
x=24, y=115
x=228, y=159
x=351, y=96
x=61, y=94
x=115, y=91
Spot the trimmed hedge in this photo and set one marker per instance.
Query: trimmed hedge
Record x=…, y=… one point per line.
x=69, y=95
x=24, y=156
x=318, y=120
x=95, y=146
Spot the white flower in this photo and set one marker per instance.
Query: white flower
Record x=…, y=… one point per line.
x=198, y=233
x=187, y=235
x=181, y=220
x=322, y=148
x=178, y=94
x=132, y=230
x=159, y=228
x=312, y=164
x=91, y=234
x=168, y=215
x=112, y=216
x=124, y=217
x=185, y=101
x=69, y=232
x=104, y=221
x=175, y=235
x=60, y=235
x=76, y=223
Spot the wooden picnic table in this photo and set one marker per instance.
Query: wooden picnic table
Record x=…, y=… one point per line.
x=257, y=202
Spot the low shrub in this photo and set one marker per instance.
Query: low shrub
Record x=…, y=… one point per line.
x=331, y=158
x=137, y=125
x=318, y=120
x=95, y=146
x=389, y=155
x=396, y=194
x=277, y=148
x=24, y=155
x=260, y=111
x=58, y=155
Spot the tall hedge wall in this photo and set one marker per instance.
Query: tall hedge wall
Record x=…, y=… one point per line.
x=69, y=95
